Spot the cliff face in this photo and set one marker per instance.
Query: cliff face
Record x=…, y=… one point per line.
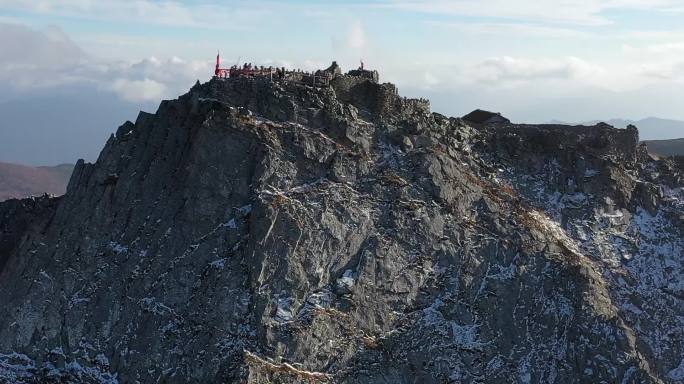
x=265, y=232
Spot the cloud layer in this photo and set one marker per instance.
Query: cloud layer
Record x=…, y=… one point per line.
x=570, y=56
x=506, y=70
x=65, y=92
x=582, y=12
x=31, y=60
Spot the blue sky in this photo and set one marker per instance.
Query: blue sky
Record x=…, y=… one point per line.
x=534, y=61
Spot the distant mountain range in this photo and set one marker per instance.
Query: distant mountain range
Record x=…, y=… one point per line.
x=654, y=130
x=673, y=147
x=18, y=181
x=650, y=128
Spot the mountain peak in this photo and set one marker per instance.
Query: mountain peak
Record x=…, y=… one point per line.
x=254, y=220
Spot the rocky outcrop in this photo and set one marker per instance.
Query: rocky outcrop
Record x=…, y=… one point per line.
x=480, y=116
x=272, y=232
x=20, y=219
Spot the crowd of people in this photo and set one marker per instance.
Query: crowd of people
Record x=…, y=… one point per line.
x=279, y=73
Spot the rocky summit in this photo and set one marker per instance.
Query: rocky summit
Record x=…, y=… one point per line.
x=272, y=231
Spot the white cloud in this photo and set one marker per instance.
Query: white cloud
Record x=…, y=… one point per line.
x=550, y=75
x=32, y=59
x=657, y=61
x=165, y=13
x=667, y=48
x=139, y=90
x=578, y=12
x=506, y=70
x=669, y=71
x=21, y=45
x=509, y=29
x=650, y=35
x=350, y=46
x=430, y=79
x=357, y=36
x=245, y=14
x=313, y=65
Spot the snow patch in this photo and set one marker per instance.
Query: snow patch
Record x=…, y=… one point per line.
x=465, y=336
x=677, y=374
x=284, y=312
x=245, y=210
x=345, y=283
x=218, y=264
x=117, y=248
x=16, y=366
x=151, y=304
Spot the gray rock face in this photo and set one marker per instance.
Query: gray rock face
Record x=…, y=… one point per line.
x=263, y=232
x=480, y=116
x=20, y=219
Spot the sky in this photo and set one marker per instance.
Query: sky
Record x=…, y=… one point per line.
x=533, y=61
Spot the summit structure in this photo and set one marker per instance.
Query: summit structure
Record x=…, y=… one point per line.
x=321, y=77
x=267, y=229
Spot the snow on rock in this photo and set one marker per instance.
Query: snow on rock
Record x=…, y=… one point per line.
x=18, y=368
x=218, y=264
x=641, y=252
x=284, y=311
x=345, y=233
x=465, y=336
x=677, y=374
x=345, y=283
x=117, y=248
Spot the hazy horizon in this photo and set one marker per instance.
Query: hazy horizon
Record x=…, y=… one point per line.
x=534, y=63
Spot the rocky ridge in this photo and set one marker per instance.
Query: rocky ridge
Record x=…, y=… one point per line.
x=273, y=232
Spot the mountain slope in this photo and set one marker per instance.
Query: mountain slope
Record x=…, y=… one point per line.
x=673, y=147
x=651, y=128
x=272, y=232
x=19, y=181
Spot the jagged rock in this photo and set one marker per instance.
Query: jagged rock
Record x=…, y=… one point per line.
x=334, y=69
x=275, y=232
x=649, y=196
x=373, y=76
x=20, y=219
x=480, y=116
